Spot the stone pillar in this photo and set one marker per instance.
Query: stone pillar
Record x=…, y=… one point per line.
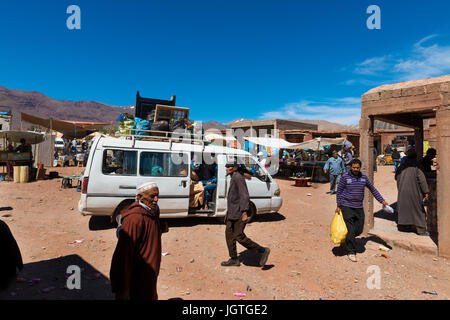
x=367, y=158
x=443, y=172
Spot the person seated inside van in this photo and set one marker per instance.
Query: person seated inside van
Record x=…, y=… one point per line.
x=157, y=171
x=207, y=174
x=247, y=172
x=196, y=193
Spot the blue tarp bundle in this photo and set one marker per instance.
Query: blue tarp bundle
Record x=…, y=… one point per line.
x=142, y=124
x=121, y=117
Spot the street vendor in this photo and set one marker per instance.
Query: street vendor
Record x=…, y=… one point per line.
x=23, y=147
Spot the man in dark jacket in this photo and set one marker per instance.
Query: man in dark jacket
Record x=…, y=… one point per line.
x=238, y=201
x=137, y=258
x=396, y=158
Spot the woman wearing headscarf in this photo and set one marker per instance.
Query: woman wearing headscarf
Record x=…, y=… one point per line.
x=412, y=189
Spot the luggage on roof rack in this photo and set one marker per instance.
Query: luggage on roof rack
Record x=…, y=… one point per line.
x=146, y=105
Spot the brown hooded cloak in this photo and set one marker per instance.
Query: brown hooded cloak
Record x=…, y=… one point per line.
x=137, y=258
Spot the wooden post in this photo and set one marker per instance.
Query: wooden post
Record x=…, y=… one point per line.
x=367, y=159
x=418, y=141
x=52, y=142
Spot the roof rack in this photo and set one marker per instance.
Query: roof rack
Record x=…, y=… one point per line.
x=164, y=136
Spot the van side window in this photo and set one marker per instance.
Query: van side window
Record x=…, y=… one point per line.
x=163, y=164
x=119, y=162
x=253, y=168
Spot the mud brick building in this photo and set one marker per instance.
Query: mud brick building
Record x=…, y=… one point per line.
x=409, y=104
x=271, y=127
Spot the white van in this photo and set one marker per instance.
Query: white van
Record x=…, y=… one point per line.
x=59, y=143
x=117, y=166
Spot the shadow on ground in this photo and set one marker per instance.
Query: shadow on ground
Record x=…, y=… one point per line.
x=6, y=208
x=194, y=221
x=97, y=223
x=386, y=215
x=394, y=217
x=268, y=217
x=52, y=278
x=251, y=259
x=360, y=245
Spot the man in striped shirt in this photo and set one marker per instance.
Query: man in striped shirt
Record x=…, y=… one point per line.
x=349, y=197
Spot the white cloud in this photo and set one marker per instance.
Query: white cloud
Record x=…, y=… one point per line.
x=420, y=62
x=340, y=110
x=373, y=66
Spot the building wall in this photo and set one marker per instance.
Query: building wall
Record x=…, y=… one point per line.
x=5, y=123
x=43, y=152
x=293, y=138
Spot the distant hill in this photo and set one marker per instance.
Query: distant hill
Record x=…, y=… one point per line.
x=214, y=125
x=38, y=104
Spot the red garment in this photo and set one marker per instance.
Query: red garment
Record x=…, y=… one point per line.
x=137, y=258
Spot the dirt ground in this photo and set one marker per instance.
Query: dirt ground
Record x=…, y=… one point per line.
x=303, y=264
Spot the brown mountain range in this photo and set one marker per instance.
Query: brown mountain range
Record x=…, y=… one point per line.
x=38, y=104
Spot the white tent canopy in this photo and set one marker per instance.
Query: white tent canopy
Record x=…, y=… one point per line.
x=319, y=143
x=314, y=144
x=277, y=143
x=215, y=136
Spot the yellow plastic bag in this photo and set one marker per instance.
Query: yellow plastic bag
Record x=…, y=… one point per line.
x=338, y=229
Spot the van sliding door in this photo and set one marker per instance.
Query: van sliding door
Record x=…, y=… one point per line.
x=171, y=171
x=222, y=185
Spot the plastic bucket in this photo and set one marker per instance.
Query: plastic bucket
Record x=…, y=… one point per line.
x=17, y=174
x=24, y=174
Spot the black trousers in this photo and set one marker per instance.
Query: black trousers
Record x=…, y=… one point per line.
x=354, y=220
x=234, y=231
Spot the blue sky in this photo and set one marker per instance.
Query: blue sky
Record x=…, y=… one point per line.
x=304, y=59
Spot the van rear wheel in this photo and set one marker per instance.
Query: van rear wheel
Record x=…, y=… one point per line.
x=122, y=206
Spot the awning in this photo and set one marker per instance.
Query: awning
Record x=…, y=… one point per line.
x=29, y=136
x=319, y=143
x=93, y=135
x=314, y=144
x=277, y=143
x=73, y=129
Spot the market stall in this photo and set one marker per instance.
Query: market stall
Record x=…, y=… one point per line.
x=16, y=156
